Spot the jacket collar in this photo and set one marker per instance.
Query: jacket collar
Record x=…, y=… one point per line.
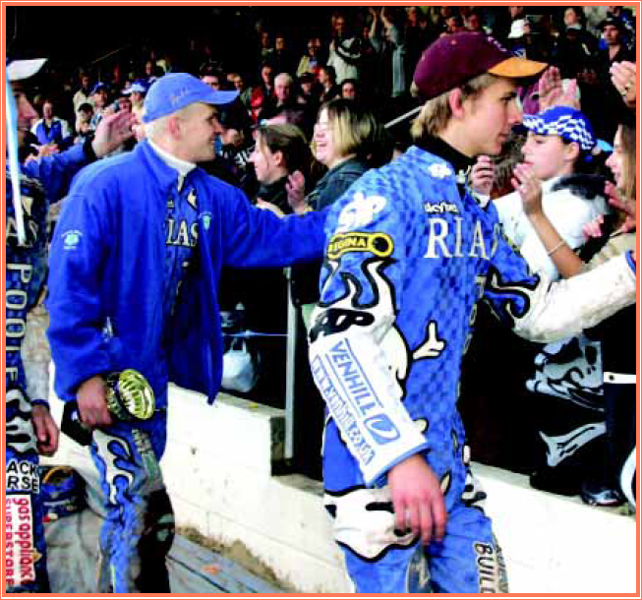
x=166, y=175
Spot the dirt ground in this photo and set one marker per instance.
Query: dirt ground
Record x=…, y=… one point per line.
x=238, y=553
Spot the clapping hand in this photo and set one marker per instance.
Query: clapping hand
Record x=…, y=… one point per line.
x=482, y=175
x=623, y=77
x=529, y=188
x=552, y=92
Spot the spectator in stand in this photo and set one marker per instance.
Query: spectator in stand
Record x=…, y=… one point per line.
x=574, y=17
x=625, y=16
x=475, y=21
x=280, y=150
x=124, y=103
x=328, y=82
x=237, y=145
x=263, y=92
x=100, y=100
x=347, y=142
x=83, y=95
x=345, y=50
x=455, y=24
x=309, y=92
x=245, y=93
x=286, y=102
x=350, y=90
x=614, y=33
x=115, y=79
x=516, y=41
x=599, y=95
x=311, y=61
x=83, y=122
x=136, y=92
x=282, y=59
x=575, y=47
x=51, y=130
x=516, y=12
x=387, y=38
x=212, y=76
x=418, y=36
x=439, y=16
x=266, y=48
x=148, y=69
x=558, y=152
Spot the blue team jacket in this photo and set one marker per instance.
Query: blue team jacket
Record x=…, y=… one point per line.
x=107, y=272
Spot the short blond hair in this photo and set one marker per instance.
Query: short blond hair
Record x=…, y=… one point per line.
x=435, y=114
x=355, y=129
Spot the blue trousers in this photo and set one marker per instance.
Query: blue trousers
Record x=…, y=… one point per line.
x=139, y=528
x=381, y=560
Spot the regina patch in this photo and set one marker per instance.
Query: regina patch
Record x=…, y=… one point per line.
x=378, y=244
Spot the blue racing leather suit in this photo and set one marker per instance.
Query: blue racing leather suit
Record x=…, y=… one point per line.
x=408, y=258
x=134, y=273
x=41, y=182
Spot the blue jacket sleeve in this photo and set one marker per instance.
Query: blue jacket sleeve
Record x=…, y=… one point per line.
x=77, y=317
x=55, y=172
x=258, y=238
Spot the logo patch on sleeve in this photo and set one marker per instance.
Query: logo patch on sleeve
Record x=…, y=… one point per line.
x=360, y=212
x=378, y=244
x=71, y=239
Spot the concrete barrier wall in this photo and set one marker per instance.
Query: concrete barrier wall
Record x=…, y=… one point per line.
x=218, y=469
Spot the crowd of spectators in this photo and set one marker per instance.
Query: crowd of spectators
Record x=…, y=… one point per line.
x=373, y=50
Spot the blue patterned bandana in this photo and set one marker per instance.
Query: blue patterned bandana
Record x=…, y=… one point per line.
x=566, y=122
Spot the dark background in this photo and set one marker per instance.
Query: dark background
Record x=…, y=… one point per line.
x=81, y=35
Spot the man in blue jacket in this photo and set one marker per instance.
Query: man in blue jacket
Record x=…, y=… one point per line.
x=30, y=429
x=410, y=253
x=134, y=274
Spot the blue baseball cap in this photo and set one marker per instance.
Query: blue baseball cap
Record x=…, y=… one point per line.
x=99, y=86
x=178, y=90
x=139, y=86
x=568, y=123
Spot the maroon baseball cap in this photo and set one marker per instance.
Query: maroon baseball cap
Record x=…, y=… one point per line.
x=454, y=59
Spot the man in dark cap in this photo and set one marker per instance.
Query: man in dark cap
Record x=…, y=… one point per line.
x=410, y=253
x=601, y=101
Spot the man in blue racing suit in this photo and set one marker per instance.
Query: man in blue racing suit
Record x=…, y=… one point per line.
x=134, y=272
x=409, y=254
x=29, y=427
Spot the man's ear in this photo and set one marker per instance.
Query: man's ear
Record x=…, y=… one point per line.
x=174, y=126
x=456, y=102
